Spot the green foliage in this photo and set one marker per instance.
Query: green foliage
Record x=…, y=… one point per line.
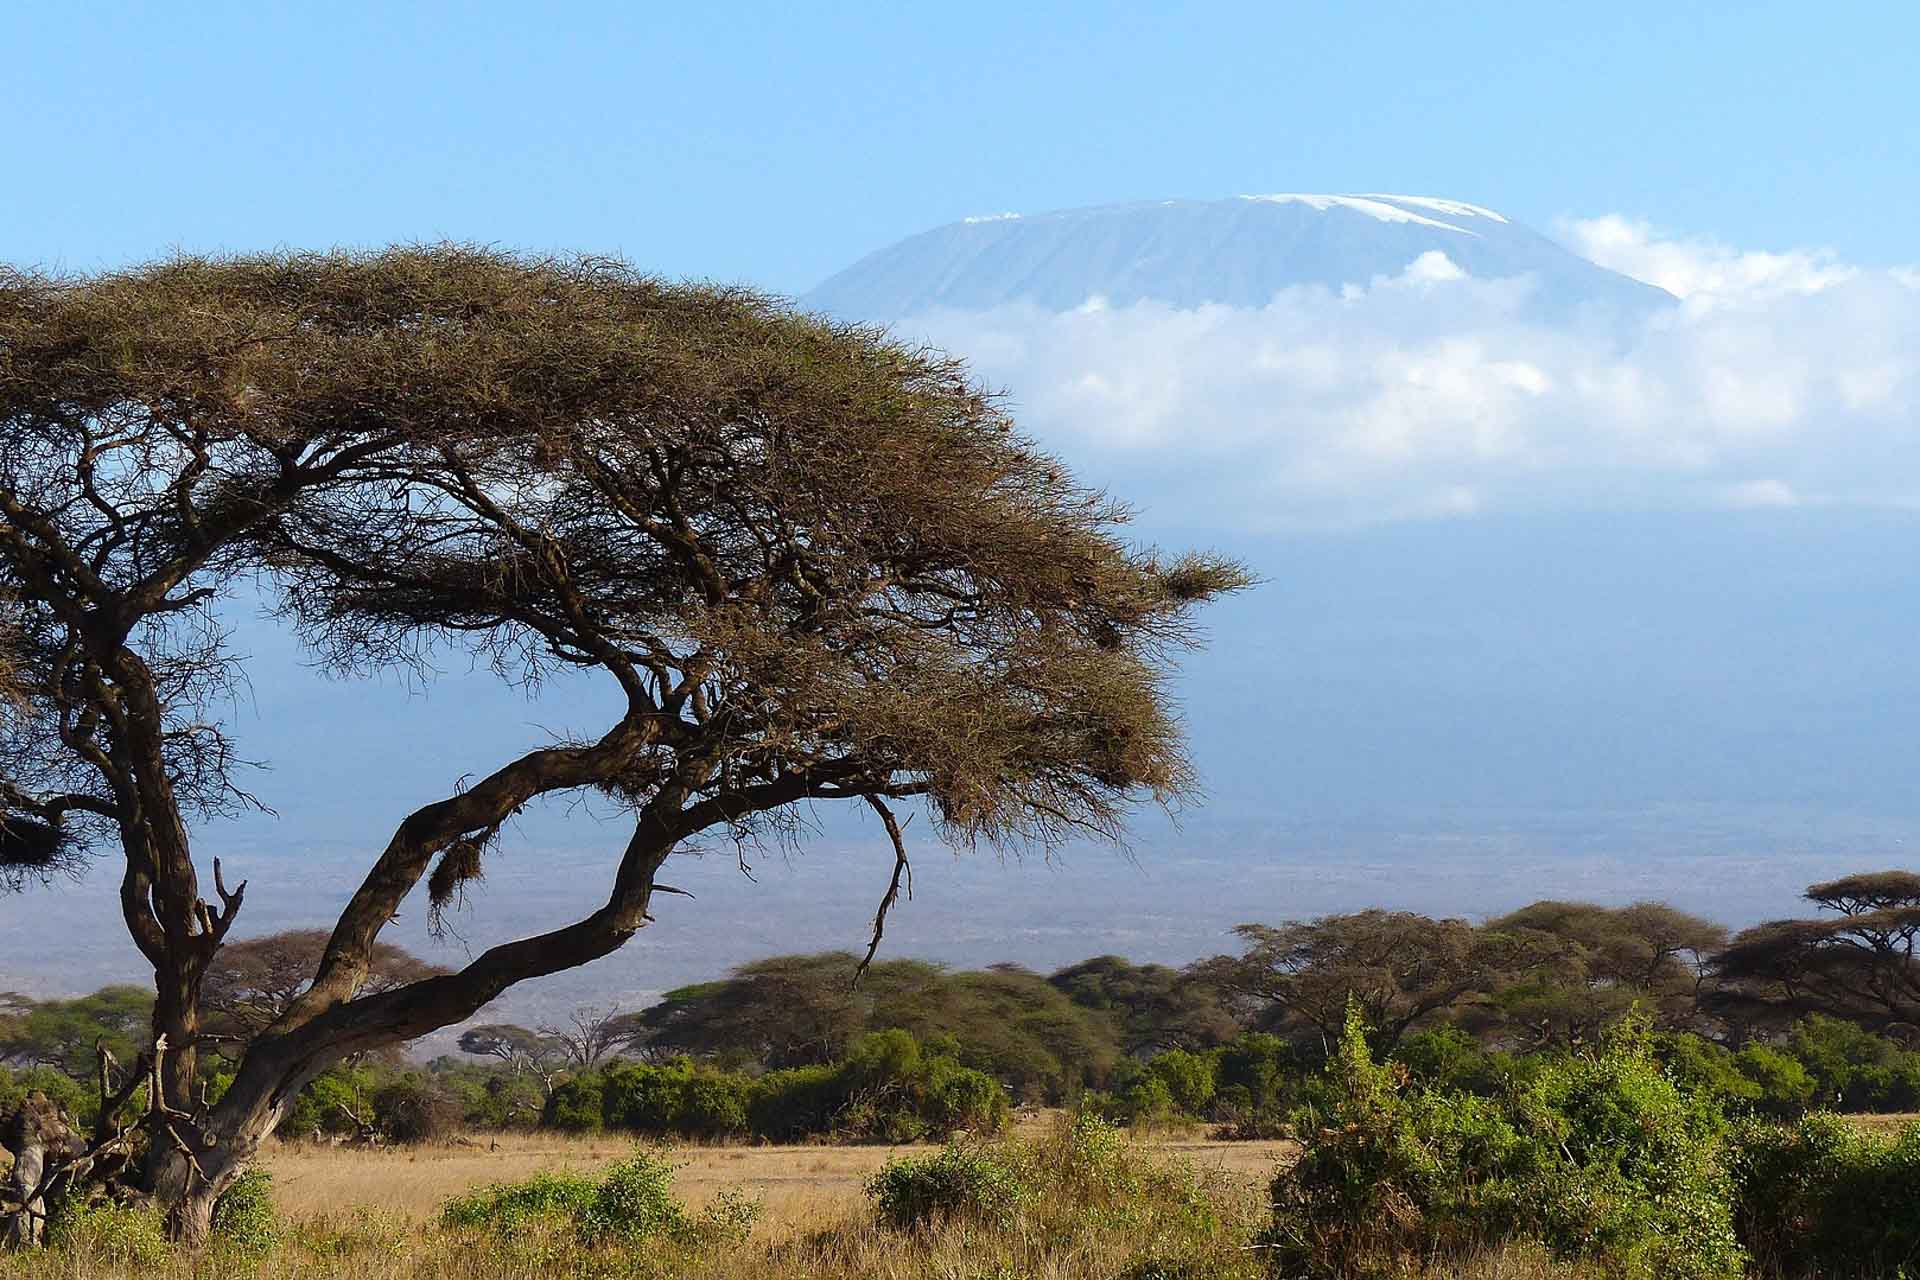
x=505, y=1207
x=1599, y=1156
x=62, y=1033
x=414, y=1109
x=1819, y=1198
x=798, y=1011
x=1782, y=1085
x=576, y=1105
x=634, y=1201
x=676, y=1099
x=1188, y=1079
x=1449, y=1060
x=631, y=1203
x=66, y=1093
x=890, y=1087
x=1853, y=1069
x=107, y=1232
x=960, y=1183
x=244, y=1216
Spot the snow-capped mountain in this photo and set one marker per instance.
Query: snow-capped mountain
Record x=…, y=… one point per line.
x=1239, y=251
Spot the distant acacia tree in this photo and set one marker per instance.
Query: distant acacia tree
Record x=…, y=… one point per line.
x=66, y=1034
x=1858, y=962
x=251, y=982
x=809, y=563
x=525, y=1052
x=790, y=1011
x=590, y=1035
x=1154, y=1007
x=1567, y=969
x=1401, y=969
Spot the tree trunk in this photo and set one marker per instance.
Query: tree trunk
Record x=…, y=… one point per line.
x=33, y=1133
x=187, y=1196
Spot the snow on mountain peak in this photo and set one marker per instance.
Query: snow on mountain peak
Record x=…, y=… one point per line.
x=1388, y=208
x=1237, y=252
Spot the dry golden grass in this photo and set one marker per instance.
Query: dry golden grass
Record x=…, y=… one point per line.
x=1886, y=1124
x=800, y=1186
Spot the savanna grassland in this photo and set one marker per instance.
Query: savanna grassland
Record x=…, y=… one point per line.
x=1155, y=1205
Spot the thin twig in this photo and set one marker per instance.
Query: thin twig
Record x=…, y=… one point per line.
x=901, y=867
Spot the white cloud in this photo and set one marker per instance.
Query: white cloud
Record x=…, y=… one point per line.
x=1786, y=379
x=1703, y=272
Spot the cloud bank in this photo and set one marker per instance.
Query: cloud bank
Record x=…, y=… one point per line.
x=1779, y=379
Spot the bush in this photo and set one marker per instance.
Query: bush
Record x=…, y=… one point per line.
x=75, y=1101
x=1781, y=1085
x=106, y=1232
x=1820, y=1198
x=1598, y=1157
x=797, y=1103
x=505, y=1207
x=576, y=1106
x=631, y=1202
x=634, y=1201
x=244, y=1216
x=1188, y=1077
x=411, y=1110
x=1448, y=1060
x=961, y=1183
x=1853, y=1069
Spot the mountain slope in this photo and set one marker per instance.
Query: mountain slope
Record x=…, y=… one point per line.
x=1239, y=251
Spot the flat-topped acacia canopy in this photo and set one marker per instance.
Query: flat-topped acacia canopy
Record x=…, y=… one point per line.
x=814, y=563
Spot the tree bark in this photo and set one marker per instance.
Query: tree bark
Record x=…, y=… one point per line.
x=33, y=1133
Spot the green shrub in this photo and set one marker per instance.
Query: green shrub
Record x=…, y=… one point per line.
x=575, y=1106
x=413, y=1109
x=797, y=1103
x=74, y=1099
x=1820, y=1198
x=960, y=1183
x=1853, y=1069
x=1449, y=1060
x=1781, y=1085
x=956, y=1097
x=634, y=1201
x=508, y=1206
x=630, y=1203
x=1188, y=1077
x=244, y=1217
x=1145, y=1101
x=106, y=1232
x=1599, y=1156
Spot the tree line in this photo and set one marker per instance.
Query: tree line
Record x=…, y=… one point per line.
x=1780, y=1017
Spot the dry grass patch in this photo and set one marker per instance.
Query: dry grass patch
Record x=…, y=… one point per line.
x=800, y=1186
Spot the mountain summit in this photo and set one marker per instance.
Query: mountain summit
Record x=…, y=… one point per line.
x=1239, y=252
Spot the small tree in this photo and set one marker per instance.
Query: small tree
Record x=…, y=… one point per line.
x=1858, y=963
x=251, y=982
x=1573, y=968
x=525, y=1052
x=1396, y=968
x=592, y=1034
x=808, y=564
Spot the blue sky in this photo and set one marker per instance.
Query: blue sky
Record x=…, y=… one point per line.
x=776, y=143
x=1644, y=626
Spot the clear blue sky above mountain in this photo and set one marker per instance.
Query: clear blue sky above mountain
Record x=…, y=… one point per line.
x=777, y=143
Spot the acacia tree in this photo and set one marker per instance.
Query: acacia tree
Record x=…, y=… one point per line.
x=810, y=564
x=1571, y=968
x=1858, y=962
x=1400, y=968
x=250, y=982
